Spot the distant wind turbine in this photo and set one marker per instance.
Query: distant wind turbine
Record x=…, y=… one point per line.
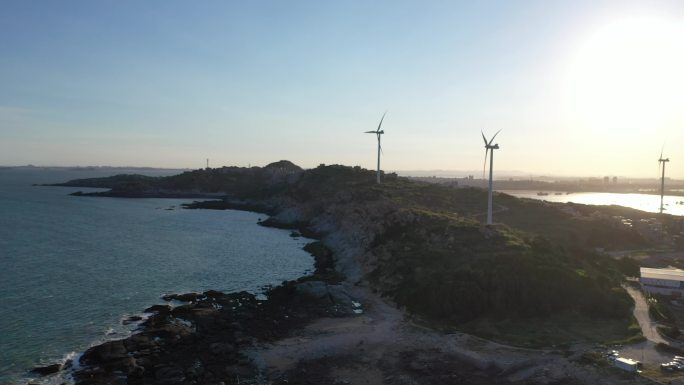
x=488, y=147
x=378, y=132
x=661, y=164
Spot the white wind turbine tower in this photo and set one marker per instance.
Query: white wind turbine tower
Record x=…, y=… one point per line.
x=661, y=164
x=488, y=147
x=378, y=132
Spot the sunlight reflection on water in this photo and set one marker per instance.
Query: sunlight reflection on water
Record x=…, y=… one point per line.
x=644, y=202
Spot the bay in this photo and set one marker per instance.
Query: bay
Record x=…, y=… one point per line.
x=643, y=202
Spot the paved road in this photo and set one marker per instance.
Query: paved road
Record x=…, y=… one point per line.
x=644, y=351
x=648, y=326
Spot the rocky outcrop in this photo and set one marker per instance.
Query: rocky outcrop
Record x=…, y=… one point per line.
x=46, y=370
x=202, y=340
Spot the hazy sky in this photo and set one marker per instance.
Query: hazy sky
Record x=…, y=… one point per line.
x=579, y=87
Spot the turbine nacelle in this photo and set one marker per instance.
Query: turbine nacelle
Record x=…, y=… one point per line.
x=488, y=146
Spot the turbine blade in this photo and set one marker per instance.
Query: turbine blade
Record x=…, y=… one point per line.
x=381, y=119
x=661, y=151
x=483, y=137
x=370, y=132
x=497, y=133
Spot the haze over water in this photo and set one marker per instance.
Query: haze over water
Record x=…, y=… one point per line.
x=72, y=267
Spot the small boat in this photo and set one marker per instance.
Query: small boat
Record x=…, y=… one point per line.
x=542, y=194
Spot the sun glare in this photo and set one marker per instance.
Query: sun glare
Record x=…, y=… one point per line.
x=628, y=75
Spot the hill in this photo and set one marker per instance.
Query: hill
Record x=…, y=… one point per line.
x=424, y=245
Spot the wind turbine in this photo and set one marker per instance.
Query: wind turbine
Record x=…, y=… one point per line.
x=378, y=132
x=661, y=164
x=488, y=147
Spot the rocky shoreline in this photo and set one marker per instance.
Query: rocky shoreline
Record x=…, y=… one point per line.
x=203, y=340
x=318, y=329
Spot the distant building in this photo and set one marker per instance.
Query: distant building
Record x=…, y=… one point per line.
x=668, y=282
x=614, y=180
x=606, y=179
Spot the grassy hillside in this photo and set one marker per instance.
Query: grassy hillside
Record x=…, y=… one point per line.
x=430, y=252
x=448, y=268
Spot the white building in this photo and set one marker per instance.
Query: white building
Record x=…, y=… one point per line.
x=627, y=364
x=663, y=281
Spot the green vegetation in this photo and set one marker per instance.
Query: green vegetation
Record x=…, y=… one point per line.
x=597, y=359
x=237, y=182
x=669, y=331
x=559, y=330
x=669, y=349
x=659, y=311
x=534, y=279
x=448, y=269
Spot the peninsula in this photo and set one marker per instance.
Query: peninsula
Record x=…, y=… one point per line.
x=410, y=287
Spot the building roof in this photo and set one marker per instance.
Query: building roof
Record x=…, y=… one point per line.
x=666, y=274
x=627, y=361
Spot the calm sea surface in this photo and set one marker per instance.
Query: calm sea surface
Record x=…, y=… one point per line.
x=643, y=202
x=72, y=267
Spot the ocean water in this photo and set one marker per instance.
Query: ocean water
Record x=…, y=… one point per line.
x=71, y=268
x=644, y=202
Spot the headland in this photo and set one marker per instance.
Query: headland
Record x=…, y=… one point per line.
x=408, y=281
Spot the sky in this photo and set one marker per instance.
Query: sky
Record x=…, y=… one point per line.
x=583, y=87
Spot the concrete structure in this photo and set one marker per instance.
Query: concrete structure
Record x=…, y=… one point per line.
x=668, y=282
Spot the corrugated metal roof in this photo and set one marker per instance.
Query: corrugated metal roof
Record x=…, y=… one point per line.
x=668, y=274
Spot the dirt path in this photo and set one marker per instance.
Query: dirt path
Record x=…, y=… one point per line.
x=372, y=348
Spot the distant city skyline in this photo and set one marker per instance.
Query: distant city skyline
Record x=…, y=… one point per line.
x=579, y=88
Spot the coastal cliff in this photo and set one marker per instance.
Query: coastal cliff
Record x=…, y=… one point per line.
x=417, y=246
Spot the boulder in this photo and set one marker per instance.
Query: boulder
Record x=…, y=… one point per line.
x=132, y=319
x=220, y=348
x=160, y=309
x=45, y=370
x=106, y=353
x=339, y=295
x=187, y=297
x=316, y=289
x=169, y=375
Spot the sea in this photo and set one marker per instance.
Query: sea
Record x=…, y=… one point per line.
x=645, y=202
x=72, y=268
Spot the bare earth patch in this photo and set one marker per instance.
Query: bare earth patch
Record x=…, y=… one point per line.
x=380, y=347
